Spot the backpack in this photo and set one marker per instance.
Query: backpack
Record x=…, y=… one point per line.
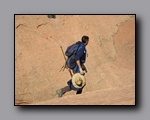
x=72, y=49
x=70, y=53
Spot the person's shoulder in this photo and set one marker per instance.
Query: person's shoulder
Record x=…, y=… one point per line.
x=81, y=48
x=82, y=45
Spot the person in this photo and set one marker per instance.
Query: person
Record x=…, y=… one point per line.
x=77, y=83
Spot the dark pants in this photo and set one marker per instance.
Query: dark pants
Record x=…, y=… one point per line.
x=70, y=86
x=67, y=89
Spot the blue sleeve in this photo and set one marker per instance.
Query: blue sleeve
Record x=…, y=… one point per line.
x=79, y=53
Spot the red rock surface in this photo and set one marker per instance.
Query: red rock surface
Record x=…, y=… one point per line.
x=110, y=61
x=124, y=95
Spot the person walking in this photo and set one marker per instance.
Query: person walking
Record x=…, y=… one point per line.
x=76, y=64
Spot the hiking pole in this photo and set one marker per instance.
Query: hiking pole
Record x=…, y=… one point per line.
x=63, y=53
x=63, y=67
x=65, y=61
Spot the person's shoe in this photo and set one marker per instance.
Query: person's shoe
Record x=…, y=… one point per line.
x=59, y=93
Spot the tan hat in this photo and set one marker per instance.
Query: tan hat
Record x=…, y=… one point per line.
x=78, y=80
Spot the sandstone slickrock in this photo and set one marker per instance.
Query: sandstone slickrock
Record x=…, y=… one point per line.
x=113, y=96
x=38, y=57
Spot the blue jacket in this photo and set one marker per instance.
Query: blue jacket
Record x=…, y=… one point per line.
x=81, y=53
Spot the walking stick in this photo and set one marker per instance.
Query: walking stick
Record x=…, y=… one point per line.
x=64, y=66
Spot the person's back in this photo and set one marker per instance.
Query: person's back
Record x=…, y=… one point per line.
x=76, y=61
x=74, y=52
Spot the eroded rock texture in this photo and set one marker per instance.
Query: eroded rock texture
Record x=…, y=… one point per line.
x=110, y=61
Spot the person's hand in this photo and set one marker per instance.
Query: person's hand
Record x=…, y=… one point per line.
x=82, y=72
x=68, y=69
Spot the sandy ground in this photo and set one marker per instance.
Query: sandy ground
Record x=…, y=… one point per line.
x=110, y=61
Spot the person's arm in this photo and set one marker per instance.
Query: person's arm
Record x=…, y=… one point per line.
x=78, y=57
x=80, y=68
x=78, y=63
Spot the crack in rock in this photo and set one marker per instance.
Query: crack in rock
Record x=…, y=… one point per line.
x=41, y=24
x=21, y=25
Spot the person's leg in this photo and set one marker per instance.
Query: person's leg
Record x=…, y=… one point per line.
x=76, y=70
x=65, y=89
x=79, y=91
x=62, y=91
